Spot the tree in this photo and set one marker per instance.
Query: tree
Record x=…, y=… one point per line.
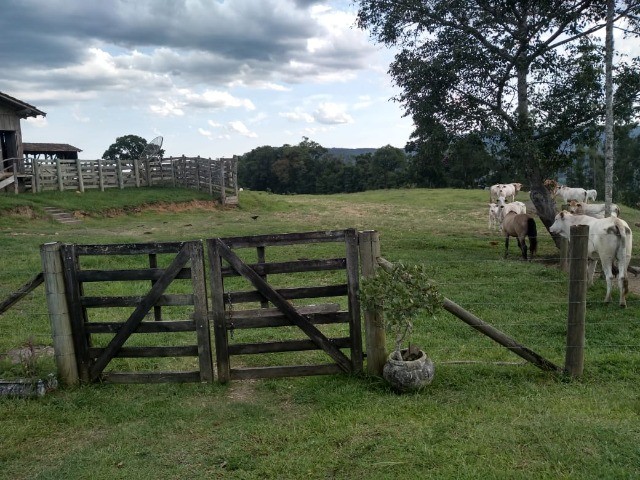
x=127, y=147
x=527, y=71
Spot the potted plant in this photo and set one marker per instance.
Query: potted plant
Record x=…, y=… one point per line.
x=404, y=294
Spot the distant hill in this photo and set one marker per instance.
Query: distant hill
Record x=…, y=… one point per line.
x=348, y=155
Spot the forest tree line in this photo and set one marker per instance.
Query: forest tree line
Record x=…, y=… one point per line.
x=462, y=162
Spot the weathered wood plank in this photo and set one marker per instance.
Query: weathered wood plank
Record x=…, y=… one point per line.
x=144, y=327
x=155, y=377
x=244, y=322
x=353, y=282
x=130, y=248
x=171, y=300
x=283, y=346
x=24, y=290
x=292, y=267
x=145, y=352
x=201, y=313
x=284, y=371
x=292, y=293
x=218, y=311
x=127, y=275
x=81, y=340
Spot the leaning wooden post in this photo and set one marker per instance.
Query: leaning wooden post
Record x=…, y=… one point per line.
x=574, y=359
x=375, y=335
x=59, y=317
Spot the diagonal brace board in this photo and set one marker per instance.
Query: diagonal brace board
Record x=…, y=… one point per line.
x=284, y=306
x=139, y=313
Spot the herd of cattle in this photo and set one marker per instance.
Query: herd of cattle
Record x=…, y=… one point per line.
x=609, y=237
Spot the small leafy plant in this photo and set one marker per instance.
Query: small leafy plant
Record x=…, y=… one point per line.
x=403, y=293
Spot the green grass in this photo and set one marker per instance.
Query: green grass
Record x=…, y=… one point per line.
x=486, y=414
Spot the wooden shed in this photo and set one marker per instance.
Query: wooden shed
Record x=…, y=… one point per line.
x=50, y=151
x=12, y=111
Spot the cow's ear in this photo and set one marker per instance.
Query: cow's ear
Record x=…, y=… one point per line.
x=562, y=215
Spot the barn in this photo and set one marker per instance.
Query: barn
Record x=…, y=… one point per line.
x=12, y=111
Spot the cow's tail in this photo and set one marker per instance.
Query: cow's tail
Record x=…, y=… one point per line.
x=532, y=233
x=624, y=234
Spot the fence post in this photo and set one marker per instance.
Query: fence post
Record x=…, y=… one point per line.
x=59, y=313
x=136, y=171
x=80, y=179
x=35, y=181
x=564, y=254
x=100, y=175
x=119, y=173
x=574, y=359
x=59, y=173
x=375, y=336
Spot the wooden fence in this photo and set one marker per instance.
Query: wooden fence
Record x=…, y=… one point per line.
x=218, y=177
x=261, y=309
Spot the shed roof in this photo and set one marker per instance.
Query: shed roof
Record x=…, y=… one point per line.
x=22, y=109
x=31, y=148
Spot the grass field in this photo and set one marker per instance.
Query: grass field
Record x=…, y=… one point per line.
x=486, y=414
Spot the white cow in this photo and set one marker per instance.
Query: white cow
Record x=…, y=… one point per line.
x=610, y=238
x=591, y=195
x=507, y=190
x=494, y=216
x=569, y=193
x=595, y=210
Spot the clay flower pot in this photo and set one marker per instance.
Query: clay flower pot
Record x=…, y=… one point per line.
x=408, y=375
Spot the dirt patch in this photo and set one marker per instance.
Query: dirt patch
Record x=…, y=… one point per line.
x=242, y=391
x=22, y=211
x=27, y=353
x=634, y=283
x=159, y=207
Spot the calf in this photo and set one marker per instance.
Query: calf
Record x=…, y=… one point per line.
x=494, y=216
x=610, y=238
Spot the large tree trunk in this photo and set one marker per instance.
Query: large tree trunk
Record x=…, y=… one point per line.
x=544, y=203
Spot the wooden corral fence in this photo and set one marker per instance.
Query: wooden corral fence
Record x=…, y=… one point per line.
x=216, y=176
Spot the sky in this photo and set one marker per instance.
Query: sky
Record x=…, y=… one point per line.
x=214, y=78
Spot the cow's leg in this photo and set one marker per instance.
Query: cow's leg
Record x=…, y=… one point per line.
x=623, y=285
x=608, y=275
x=506, y=246
x=591, y=268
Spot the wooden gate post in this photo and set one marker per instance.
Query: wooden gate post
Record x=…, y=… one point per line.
x=375, y=335
x=59, y=313
x=574, y=359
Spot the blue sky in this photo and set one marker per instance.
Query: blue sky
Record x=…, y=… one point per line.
x=214, y=78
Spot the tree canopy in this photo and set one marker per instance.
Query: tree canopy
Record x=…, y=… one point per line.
x=527, y=73
x=126, y=147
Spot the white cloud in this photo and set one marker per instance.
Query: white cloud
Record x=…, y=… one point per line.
x=167, y=108
x=239, y=127
x=204, y=133
x=298, y=116
x=332, y=114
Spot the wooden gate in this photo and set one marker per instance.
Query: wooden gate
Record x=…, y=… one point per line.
x=101, y=343
x=233, y=313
